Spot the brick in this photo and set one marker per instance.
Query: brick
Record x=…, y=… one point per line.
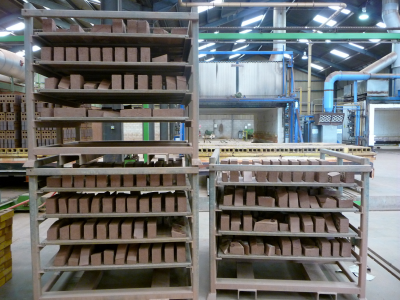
x=86, y=252
x=296, y=246
x=77, y=81
x=79, y=181
x=127, y=229
x=344, y=201
x=335, y=246
x=108, y=54
x=156, y=82
x=64, y=83
x=108, y=204
x=120, y=54
x=266, y=225
x=151, y=228
x=53, y=233
x=345, y=247
x=90, y=180
x=341, y=222
x=129, y=82
x=96, y=259
x=266, y=201
x=169, y=253
x=334, y=177
x=69, y=112
x=104, y=85
x=228, y=196
x=64, y=232
x=285, y=245
x=62, y=255
x=53, y=181
x=307, y=224
x=326, y=201
x=313, y=202
x=162, y=58
x=144, y=253
x=144, y=204
x=325, y=248
x=131, y=54
x=109, y=256
x=180, y=252
x=59, y=54
x=181, y=83
x=132, y=255
x=143, y=26
x=63, y=204
x=101, y=181
x=142, y=112
x=285, y=176
x=304, y=200
x=293, y=199
x=84, y=204
x=52, y=205
x=156, y=253
x=329, y=224
x=239, y=196
x=143, y=82
x=131, y=26
x=71, y=54
x=310, y=176
x=169, y=202
x=95, y=54
x=247, y=221
x=118, y=26
x=319, y=224
x=250, y=196
x=273, y=176
x=322, y=176
x=294, y=223
x=145, y=54
x=120, y=255
x=75, y=28
x=159, y=31
x=131, y=203
x=46, y=53
x=156, y=203
x=256, y=246
x=170, y=82
x=225, y=222
x=181, y=31
x=101, y=28
x=76, y=230
x=51, y=83
x=49, y=25
x=282, y=197
x=83, y=53
x=115, y=180
x=114, y=229
x=295, y=176
x=102, y=229
x=181, y=201
x=309, y=249
x=73, y=204
x=283, y=226
x=120, y=203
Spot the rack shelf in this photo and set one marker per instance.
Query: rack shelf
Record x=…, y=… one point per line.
x=110, y=119
x=219, y=260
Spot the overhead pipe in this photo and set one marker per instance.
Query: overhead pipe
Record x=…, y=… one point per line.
x=391, y=17
x=279, y=20
x=12, y=65
x=263, y=4
x=382, y=63
x=348, y=76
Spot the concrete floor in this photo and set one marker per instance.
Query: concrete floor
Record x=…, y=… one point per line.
x=384, y=237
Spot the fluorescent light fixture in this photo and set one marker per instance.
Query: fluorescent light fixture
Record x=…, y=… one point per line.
x=355, y=45
x=317, y=31
x=246, y=31
x=213, y=50
x=304, y=55
x=21, y=53
x=363, y=15
x=381, y=25
x=16, y=27
x=316, y=67
x=216, y=32
x=327, y=41
x=252, y=20
x=36, y=48
x=202, y=55
x=240, y=41
x=303, y=40
x=339, y=53
x=343, y=11
x=233, y=56
x=210, y=59
x=321, y=19
x=204, y=8
x=240, y=48
x=206, y=46
x=4, y=33
x=375, y=40
x=200, y=41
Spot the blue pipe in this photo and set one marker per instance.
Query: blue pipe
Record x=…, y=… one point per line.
x=347, y=76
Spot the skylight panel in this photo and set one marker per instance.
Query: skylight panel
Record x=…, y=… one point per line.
x=233, y=56
x=316, y=67
x=240, y=41
x=210, y=59
x=321, y=19
x=381, y=25
x=240, y=48
x=206, y=46
x=202, y=55
x=252, y=20
x=343, y=11
x=355, y=45
x=16, y=27
x=204, y=8
x=339, y=53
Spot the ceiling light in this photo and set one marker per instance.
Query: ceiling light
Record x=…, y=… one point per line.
x=204, y=8
x=303, y=40
x=4, y=33
x=327, y=41
x=355, y=45
x=36, y=48
x=16, y=27
x=375, y=40
x=233, y=56
x=321, y=19
x=381, y=25
x=317, y=31
x=200, y=41
x=304, y=55
x=316, y=67
x=246, y=31
x=206, y=46
x=210, y=59
x=216, y=32
x=252, y=20
x=343, y=11
x=21, y=53
x=202, y=55
x=240, y=41
x=339, y=53
x=213, y=50
x=240, y=48
x=363, y=15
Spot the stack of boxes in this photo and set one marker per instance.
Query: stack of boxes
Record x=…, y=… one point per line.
x=6, y=219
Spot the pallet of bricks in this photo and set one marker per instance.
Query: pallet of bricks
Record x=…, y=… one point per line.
x=6, y=220
x=10, y=120
x=286, y=214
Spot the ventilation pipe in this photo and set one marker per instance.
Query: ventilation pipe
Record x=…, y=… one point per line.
x=364, y=74
x=279, y=21
x=12, y=65
x=391, y=17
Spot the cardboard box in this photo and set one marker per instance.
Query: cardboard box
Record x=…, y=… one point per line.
x=256, y=246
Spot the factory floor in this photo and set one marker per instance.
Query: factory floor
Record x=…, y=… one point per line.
x=384, y=237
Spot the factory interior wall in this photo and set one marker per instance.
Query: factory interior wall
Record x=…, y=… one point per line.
x=134, y=131
x=268, y=126
x=317, y=90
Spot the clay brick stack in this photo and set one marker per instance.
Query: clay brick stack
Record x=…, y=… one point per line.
x=6, y=220
x=10, y=121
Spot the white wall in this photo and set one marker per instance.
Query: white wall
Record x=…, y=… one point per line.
x=268, y=125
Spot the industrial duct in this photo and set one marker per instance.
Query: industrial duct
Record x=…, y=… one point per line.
x=364, y=74
x=391, y=17
x=12, y=65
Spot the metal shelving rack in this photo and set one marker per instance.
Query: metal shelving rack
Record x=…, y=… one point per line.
x=83, y=152
x=221, y=264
